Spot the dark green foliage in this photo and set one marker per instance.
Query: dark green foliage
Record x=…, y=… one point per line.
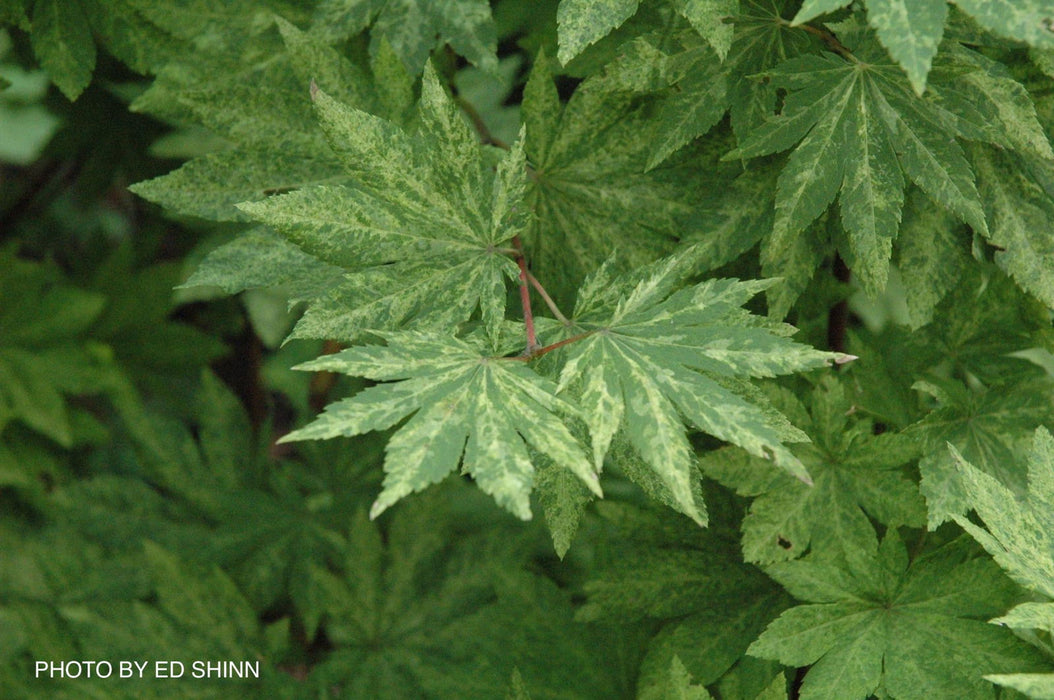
x=307, y=307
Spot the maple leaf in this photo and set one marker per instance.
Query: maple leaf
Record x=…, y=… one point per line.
x=933, y=256
x=587, y=163
x=64, y=34
x=861, y=129
x=708, y=81
x=425, y=232
x=652, y=355
x=1018, y=194
x=255, y=99
x=713, y=19
x=989, y=428
x=676, y=685
x=44, y=352
x=1020, y=536
x=911, y=30
x=432, y=605
x=462, y=400
x=887, y=625
x=411, y=27
x=854, y=474
x=583, y=22
x=64, y=594
x=1026, y=20
x=691, y=580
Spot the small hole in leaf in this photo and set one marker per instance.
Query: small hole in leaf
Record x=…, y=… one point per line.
x=783, y=542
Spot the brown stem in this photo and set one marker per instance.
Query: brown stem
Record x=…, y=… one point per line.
x=539, y=351
x=525, y=298
x=830, y=39
x=478, y=124
x=838, y=317
x=323, y=382
x=547, y=299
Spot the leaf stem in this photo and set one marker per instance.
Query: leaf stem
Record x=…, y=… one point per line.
x=525, y=299
x=838, y=316
x=830, y=39
x=539, y=351
x=478, y=124
x=547, y=299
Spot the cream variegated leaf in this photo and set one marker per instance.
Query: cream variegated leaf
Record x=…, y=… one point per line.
x=1020, y=532
x=462, y=406
x=584, y=22
x=423, y=233
x=653, y=358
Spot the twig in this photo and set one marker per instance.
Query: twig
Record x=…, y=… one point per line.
x=547, y=299
x=478, y=124
x=830, y=39
x=323, y=382
x=525, y=298
x=539, y=351
x=838, y=316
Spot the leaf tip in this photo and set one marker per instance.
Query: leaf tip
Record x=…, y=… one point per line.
x=843, y=358
x=594, y=485
x=377, y=508
x=314, y=90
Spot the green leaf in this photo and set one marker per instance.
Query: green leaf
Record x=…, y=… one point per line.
x=911, y=30
x=983, y=101
x=461, y=401
x=411, y=27
x=426, y=209
x=1038, y=616
x=712, y=19
x=987, y=427
x=1018, y=195
x=860, y=127
x=933, y=255
x=44, y=353
x=854, y=475
x=583, y=22
x=651, y=361
x=914, y=629
x=811, y=9
x=14, y=12
x=62, y=40
x=1039, y=686
x=261, y=258
x=710, y=604
x=517, y=688
x=1025, y=20
x=1020, y=533
x=262, y=107
x=588, y=180
x=1018, y=536
x=433, y=605
x=676, y=685
x=699, y=102
x=762, y=39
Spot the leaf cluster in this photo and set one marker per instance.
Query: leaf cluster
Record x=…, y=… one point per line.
x=751, y=299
